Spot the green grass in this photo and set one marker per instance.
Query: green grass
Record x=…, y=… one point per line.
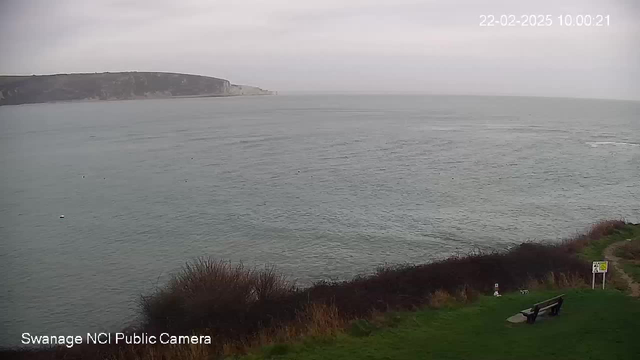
x=630, y=253
x=591, y=325
x=630, y=250
x=630, y=232
x=595, y=250
x=632, y=270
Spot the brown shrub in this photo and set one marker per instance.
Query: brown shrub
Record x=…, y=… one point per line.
x=321, y=320
x=440, y=298
x=214, y=295
x=596, y=232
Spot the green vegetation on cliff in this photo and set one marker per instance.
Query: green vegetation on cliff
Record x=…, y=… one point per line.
x=16, y=90
x=595, y=250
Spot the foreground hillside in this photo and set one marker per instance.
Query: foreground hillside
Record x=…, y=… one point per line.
x=593, y=324
x=16, y=90
x=259, y=313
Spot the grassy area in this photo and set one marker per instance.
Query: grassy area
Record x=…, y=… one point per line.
x=631, y=249
x=630, y=253
x=594, y=250
x=632, y=269
x=591, y=325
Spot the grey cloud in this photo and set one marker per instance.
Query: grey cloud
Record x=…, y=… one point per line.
x=332, y=45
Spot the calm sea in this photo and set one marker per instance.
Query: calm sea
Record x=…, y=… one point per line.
x=323, y=186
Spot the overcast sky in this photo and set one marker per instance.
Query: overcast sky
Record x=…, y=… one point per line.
x=335, y=45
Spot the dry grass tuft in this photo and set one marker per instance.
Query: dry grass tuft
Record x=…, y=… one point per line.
x=440, y=298
x=466, y=294
x=321, y=320
x=555, y=280
x=317, y=320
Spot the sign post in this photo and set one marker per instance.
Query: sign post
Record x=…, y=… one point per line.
x=596, y=268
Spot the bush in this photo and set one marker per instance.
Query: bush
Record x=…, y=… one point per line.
x=213, y=295
x=596, y=232
x=236, y=303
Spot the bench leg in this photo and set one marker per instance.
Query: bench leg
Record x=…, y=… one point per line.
x=556, y=309
x=532, y=318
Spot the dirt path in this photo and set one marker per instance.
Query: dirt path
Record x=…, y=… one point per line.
x=609, y=254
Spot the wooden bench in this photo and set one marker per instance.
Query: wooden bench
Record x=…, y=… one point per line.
x=554, y=304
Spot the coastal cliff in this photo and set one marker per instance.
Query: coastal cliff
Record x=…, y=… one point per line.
x=15, y=90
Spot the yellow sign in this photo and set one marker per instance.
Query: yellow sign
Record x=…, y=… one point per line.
x=600, y=266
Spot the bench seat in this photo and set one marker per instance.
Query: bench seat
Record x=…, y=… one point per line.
x=554, y=304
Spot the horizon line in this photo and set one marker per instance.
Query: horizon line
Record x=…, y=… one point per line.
x=351, y=92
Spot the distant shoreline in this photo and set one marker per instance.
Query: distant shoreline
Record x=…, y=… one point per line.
x=136, y=99
x=133, y=99
x=18, y=90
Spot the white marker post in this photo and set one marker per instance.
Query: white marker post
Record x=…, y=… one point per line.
x=596, y=268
